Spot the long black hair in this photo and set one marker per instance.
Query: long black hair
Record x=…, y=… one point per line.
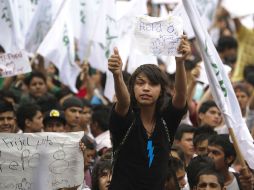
x=156, y=76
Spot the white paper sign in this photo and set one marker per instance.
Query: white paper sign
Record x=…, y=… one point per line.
x=14, y=64
x=158, y=36
x=21, y=153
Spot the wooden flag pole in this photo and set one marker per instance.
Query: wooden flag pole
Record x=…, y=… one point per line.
x=238, y=152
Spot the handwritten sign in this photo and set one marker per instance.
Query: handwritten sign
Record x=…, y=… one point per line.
x=20, y=155
x=158, y=36
x=14, y=64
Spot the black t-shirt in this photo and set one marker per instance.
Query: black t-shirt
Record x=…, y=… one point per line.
x=131, y=170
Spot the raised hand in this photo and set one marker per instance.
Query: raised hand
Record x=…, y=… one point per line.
x=184, y=49
x=115, y=63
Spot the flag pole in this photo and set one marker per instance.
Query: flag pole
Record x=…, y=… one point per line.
x=238, y=152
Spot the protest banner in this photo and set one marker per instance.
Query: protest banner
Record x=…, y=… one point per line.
x=20, y=155
x=158, y=36
x=14, y=64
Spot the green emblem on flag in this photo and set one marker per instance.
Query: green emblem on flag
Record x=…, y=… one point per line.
x=6, y=16
x=217, y=72
x=82, y=13
x=66, y=42
x=109, y=36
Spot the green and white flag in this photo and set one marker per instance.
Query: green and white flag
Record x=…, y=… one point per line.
x=41, y=23
x=103, y=35
x=86, y=14
x=220, y=85
x=126, y=17
x=58, y=47
x=11, y=37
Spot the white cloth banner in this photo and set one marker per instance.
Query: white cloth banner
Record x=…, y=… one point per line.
x=158, y=36
x=11, y=37
x=220, y=85
x=58, y=47
x=14, y=64
x=41, y=23
x=59, y=153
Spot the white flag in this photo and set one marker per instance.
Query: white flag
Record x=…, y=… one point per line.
x=103, y=35
x=41, y=23
x=220, y=85
x=126, y=17
x=58, y=47
x=11, y=38
x=127, y=11
x=24, y=14
x=85, y=20
x=238, y=8
x=206, y=9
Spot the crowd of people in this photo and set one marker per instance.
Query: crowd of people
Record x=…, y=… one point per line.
x=165, y=131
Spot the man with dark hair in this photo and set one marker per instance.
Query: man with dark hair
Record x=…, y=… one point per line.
x=243, y=96
x=89, y=154
x=99, y=128
x=227, y=48
x=86, y=116
x=7, y=117
x=29, y=118
x=209, y=179
x=222, y=151
x=176, y=174
x=37, y=87
x=209, y=114
x=54, y=121
x=101, y=175
x=200, y=139
x=72, y=110
x=184, y=138
x=195, y=166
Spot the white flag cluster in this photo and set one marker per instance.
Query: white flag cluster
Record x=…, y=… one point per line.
x=220, y=85
x=41, y=23
x=58, y=47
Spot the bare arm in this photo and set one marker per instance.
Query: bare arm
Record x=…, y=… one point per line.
x=122, y=94
x=191, y=79
x=180, y=96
